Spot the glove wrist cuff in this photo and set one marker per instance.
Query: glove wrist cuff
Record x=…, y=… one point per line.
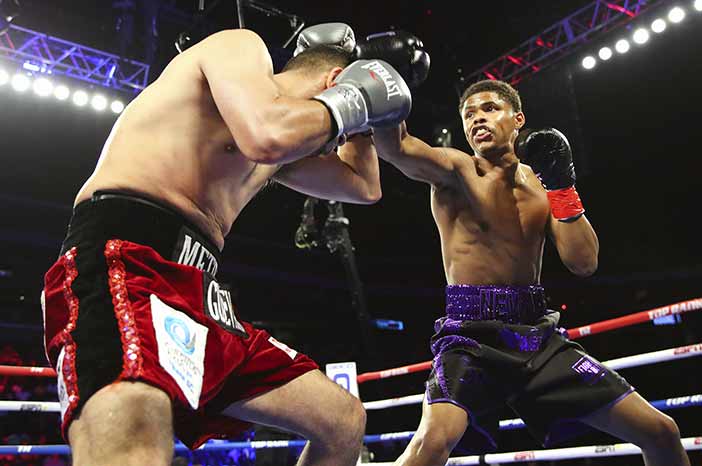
x=346, y=106
x=566, y=205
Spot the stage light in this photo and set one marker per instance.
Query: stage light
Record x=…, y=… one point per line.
x=605, y=53
x=9, y=10
x=80, y=98
x=641, y=36
x=442, y=136
x=698, y=5
x=676, y=15
x=99, y=102
x=4, y=77
x=117, y=106
x=61, y=92
x=622, y=46
x=43, y=87
x=589, y=62
x=20, y=82
x=658, y=26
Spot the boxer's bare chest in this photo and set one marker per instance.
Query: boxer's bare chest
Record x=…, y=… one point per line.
x=492, y=216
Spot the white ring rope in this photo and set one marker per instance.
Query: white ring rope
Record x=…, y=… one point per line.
x=592, y=451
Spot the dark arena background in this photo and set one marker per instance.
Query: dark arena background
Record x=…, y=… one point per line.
x=371, y=289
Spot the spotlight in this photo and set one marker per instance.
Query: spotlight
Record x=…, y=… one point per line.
x=61, y=92
x=622, y=46
x=99, y=102
x=117, y=106
x=4, y=77
x=183, y=42
x=20, y=82
x=442, y=136
x=80, y=98
x=658, y=26
x=698, y=5
x=9, y=10
x=589, y=62
x=641, y=36
x=676, y=15
x=43, y=87
x=605, y=53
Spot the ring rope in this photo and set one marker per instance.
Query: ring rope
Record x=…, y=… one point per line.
x=592, y=451
x=590, y=329
x=620, y=449
x=671, y=354
x=620, y=363
x=506, y=424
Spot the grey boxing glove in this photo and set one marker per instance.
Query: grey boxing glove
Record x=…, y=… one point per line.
x=337, y=34
x=366, y=94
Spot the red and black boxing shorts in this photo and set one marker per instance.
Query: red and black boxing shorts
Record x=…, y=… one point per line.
x=133, y=296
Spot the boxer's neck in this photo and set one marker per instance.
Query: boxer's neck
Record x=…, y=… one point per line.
x=300, y=84
x=503, y=159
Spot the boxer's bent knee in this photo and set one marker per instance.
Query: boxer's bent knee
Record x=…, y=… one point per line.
x=660, y=433
x=128, y=420
x=343, y=421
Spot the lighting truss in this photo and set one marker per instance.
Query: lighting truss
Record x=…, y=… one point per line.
x=46, y=54
x=561, y=39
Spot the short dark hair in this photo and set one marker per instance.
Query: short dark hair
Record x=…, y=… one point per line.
x=501, y=88
x=318, y=57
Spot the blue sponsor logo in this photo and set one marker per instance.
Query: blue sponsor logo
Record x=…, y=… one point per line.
x=343, y=380
x=180, y=333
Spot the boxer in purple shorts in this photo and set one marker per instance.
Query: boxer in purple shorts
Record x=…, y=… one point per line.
x=498, y=343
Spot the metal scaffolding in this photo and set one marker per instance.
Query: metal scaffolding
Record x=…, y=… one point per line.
x=561, y=39
x=42, y=53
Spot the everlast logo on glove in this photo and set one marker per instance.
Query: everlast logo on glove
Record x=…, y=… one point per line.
x=391, y=86
x=366, y=94
x=218, y=306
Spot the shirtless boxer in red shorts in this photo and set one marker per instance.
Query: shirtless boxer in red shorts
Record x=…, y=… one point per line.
x=145, y=341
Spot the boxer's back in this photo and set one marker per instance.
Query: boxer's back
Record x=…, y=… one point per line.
x=172, y=145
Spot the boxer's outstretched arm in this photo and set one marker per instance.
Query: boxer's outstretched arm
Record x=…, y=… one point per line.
x=577, y=245
x=267, y=127
x=415, y=158
x=352, y=175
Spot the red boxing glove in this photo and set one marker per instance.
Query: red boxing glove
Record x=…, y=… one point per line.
x=566, y=205
x=548, y=153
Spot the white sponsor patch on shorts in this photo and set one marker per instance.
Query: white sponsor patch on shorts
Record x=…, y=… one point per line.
x=61, y=384
x=181, y=348
x=282, y=346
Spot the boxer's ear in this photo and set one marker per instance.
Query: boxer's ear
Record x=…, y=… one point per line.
x=331, y=76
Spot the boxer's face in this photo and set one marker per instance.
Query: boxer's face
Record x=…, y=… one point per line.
x=489, y=122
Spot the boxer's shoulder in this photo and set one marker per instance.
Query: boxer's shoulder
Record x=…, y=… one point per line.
x=458, y=158
x=232, y=37
x=242, y=48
